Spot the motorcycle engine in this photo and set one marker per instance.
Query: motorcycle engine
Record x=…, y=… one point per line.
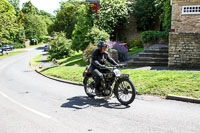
x=107, y=91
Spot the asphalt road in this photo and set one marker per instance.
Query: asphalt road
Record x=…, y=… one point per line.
x=31, y=103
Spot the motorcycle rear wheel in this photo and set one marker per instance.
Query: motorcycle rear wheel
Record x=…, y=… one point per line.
x=89, y=86
x=125, y=91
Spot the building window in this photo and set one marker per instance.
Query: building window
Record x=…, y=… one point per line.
x=191, y=9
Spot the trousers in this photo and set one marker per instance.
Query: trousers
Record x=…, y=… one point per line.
x=98, y=75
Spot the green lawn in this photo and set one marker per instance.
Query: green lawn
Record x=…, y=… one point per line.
x=75, y=60
x=11, y=54
x=134, y=51
x=160, y=83
x=36, y=60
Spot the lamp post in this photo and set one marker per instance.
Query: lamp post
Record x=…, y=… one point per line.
x=95, y=4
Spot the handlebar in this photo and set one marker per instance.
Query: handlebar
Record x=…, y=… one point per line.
x=114, y=66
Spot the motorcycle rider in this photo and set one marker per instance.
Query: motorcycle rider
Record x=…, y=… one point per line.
x=97, y=66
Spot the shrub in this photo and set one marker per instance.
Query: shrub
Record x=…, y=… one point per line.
x=95, y=36
x=121, y=48
x=152, y=36
x=44, y=39
x=15, y=44
x=112, y=13
x=135, y=44
x=87, y=53
x=60, y=46
x=19, y=45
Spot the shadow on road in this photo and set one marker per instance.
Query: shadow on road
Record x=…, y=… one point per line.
x=82, y=102
x=40, y=48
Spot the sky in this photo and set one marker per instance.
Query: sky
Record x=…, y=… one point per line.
x=47, y=5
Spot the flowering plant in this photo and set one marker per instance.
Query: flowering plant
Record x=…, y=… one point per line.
x=121, y=48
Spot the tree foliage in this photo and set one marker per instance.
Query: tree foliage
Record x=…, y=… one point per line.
x=167, y=9
x=29, y=8
x=15, y=3
x=35, y=22
x=10, y=30
x=34, y=26
x=66, y=19
x=47, y=15
x=147, y=13
x=112, y=13
x=83, y=26
x=7, y=19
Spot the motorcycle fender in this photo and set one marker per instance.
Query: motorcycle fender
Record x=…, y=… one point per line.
x=86, y=74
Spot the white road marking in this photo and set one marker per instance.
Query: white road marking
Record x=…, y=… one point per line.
x=27, y=108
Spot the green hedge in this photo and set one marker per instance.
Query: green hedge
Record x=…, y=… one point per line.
x=151, y=36
x=135, y=44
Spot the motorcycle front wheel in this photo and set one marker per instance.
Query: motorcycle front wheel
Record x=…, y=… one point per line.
x=89, y=86
x=125, y=91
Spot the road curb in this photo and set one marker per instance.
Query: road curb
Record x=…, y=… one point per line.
x=60, y=80
x=56, y=79
x=183, y=98
x=170, y=97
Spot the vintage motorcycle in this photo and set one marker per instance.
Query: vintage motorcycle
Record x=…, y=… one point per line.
x=113, y=82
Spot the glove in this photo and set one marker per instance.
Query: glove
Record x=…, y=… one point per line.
x=103, y=67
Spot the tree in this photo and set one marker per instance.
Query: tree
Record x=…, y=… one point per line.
x=15, y=3
x=147, y=13
x=66, y=19
x=47, y=15
x=7, y=19
x=112, y=13
x=83, y=26
x=29, y=8
x=34, y=26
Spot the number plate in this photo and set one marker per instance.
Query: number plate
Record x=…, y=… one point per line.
x=117, y=73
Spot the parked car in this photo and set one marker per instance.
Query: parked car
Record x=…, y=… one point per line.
x=8, y=47
x=47, y=47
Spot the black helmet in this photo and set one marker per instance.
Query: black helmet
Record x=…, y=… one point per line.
x=102, y=44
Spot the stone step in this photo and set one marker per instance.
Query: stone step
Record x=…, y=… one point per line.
x=159, y=45
x=150, y=50
x=150, y=59
x=153, y=55
x=147, y=63
x=151, y=47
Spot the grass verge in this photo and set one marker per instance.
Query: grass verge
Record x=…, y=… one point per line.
x=11, y=54
x=36, y=60
x=75, y=60
x=134, y=51
x=160, y=83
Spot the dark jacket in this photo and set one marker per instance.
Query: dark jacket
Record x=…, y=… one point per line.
x=99, y=59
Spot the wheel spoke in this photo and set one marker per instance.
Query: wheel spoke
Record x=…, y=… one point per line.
x=125, y=91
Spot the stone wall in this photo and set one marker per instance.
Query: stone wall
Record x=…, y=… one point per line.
x=184, y=41
x=184, y=50
x=128, y=31
x=184, y=22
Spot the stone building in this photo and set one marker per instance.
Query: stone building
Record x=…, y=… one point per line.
x=184, y=40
